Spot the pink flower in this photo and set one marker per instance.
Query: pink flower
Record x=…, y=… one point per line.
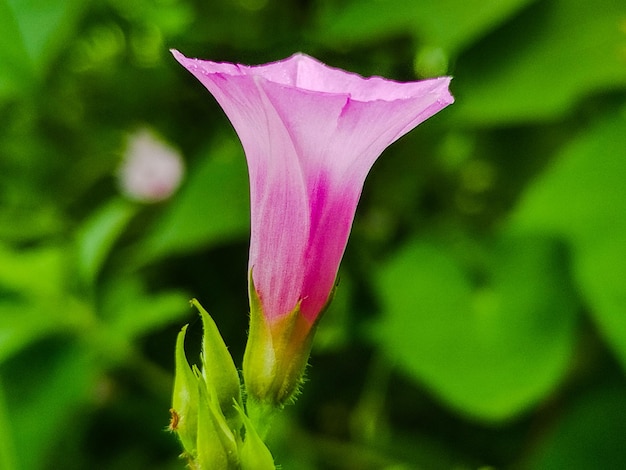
x=310, y=133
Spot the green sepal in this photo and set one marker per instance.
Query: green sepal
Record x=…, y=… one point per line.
x=276, y=356
x=253, y=453
x=218, y=369
x=216, y=445
x=184, y=399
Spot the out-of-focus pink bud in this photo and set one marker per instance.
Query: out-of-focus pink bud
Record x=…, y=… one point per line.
x=151, y=170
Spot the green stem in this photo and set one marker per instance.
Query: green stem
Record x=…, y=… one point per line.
x=261, y=415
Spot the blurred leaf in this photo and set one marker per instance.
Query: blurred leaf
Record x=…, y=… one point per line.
x=601, y=272
x=132, y=311
x=333, y=333
x=582, y=195
x=23, y=323
x=24, y=224
x=448, y=24
x=8, y=455
x=212, y=207
x=44, y=390
x=491, y=336
x=16, y=68
x=582, y=198
x=98, y=234
x=34, y=299
x=36, y=272
x=553, y=56
x=590, y=435
x=44, y=27
x=172, y=18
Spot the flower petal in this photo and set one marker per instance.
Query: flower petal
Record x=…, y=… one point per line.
x=279, y=212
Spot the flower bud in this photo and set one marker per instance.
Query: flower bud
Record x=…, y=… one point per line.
x=253, y=453
x=205, y=402
x=151, y=170
x=184, y=399
x=218, y=369
x=276, y=356
x=217, y=445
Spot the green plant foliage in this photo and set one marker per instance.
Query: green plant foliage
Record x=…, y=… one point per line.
x=37, y=32
x=16, y=69
x=44, y=28
x=497, y=340
x=585, y=437
x=582, y=199
x=572, y=48
x=40, y=400
x=98, y=235
x=372, y=20
x=131, y=311
x=34, y=300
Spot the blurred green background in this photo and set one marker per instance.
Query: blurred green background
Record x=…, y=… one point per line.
x=481, y=316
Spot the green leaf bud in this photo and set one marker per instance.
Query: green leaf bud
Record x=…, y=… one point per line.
x=184, y=399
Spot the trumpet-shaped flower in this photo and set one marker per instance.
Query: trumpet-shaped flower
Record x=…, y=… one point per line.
x=310, y=133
